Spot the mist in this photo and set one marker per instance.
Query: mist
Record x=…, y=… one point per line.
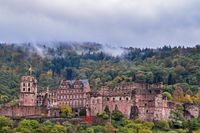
x=134, y=23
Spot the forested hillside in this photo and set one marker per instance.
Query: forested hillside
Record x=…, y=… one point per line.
x=51, y=62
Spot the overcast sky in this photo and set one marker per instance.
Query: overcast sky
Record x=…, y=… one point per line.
x=137, y=23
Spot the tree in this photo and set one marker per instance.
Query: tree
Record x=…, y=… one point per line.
x=187, y=99
x=5, y=124
x=178, y=94
x=83, y=112
x=28, y=125
x=116, y=114
x=194, y=124
x=6, y=130
x=109, y=128
x=58, y=129
x=99, y=129
x=66, y=110
x=167, y=95
x=197, y=98
x=107, y=110
x=171, y=79
x=103, y=115
x=3, y=98
x=177, y=117
x=50, y=74
x=162, y=124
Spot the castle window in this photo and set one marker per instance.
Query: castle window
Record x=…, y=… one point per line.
x=24, y=84
x=127, y=98
x=145, y=104
x=120, y=98
x=147, y=111
x=29, y=84
x=107, y=99
x=24, y=89
x=29, y=89
x=150, y=91
x=113, y=99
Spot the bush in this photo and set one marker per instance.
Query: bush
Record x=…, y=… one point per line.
x=162, y=124
x=82, y=112
x=103, y=115
x=117, y=115
x=99, y=129
x=6, y=130
x=28, y=125
x=194, y=124
x=5, y=122
x=167, y=95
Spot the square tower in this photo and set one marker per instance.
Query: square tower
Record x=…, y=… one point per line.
x=28, y=91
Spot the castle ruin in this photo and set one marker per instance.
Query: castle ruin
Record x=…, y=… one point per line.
x=134, y=100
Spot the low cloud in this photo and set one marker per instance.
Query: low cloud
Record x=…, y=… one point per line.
x=143, y=23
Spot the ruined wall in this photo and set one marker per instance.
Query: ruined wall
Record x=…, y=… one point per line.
x=96, y=105
x=134, y=100
x=123, y=103
x=19, y=111
x=191, y=111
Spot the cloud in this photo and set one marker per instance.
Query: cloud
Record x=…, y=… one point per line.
x=137, y=23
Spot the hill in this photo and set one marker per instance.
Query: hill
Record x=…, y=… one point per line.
x=101, y=64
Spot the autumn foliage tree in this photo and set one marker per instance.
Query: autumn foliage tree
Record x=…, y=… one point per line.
x=66, y=111
x=180, y=96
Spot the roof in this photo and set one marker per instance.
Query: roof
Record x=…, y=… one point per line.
x=85, y=82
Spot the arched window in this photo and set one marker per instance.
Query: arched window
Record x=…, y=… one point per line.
x=113, y=99
x=107, y=99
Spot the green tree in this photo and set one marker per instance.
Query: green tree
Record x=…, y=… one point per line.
x=83, y=112
x=167, y=95
x=5, y=124
x=66, y=110
x=177, y=117
x=58, y=129
x=162, y=124
x=107, y=109
x=116, y=114
x=28, y=125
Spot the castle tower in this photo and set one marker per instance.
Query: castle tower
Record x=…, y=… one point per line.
x=28, y=91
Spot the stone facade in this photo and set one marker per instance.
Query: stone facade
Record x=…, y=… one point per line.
x=191, y=111
x=134, y=100
x=28, y=91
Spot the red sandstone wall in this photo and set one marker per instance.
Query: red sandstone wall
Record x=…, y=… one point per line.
x=96, y=104
x=124, y=105
x=18, y=111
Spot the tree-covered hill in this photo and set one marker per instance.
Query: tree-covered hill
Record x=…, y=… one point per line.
x=54, y=61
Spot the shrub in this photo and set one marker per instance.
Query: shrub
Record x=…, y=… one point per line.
x=5, y=122
x=161, y=124
x=103, y=115
x=194, y=124
x=167, y=95
x=99, y=129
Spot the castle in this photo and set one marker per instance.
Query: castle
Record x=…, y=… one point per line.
x=134, y=100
